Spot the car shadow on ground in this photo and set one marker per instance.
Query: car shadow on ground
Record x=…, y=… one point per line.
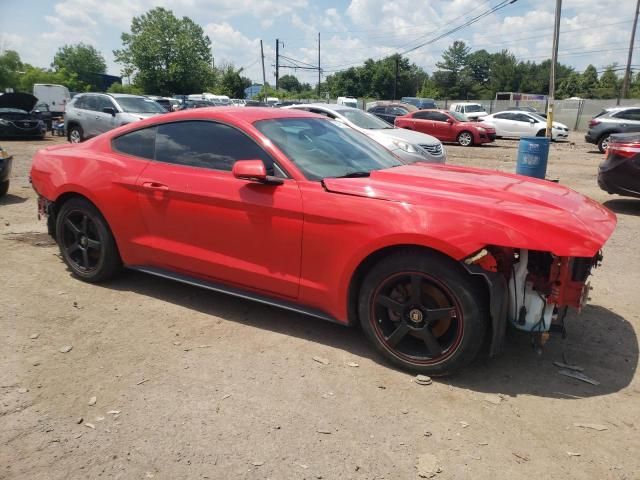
x=625, y=206
x=600, y=341
x=11, y=199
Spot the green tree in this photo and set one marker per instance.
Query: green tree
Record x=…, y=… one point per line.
x=10, y=68
x=570, y=87
x=289, y=83
x=165, y=54
x=588, y=81
x=82, y=60
x=429, y=90
x=608, y=86
x=634, y=89
x=128, y=88
x=456, y=83
x=230, y=82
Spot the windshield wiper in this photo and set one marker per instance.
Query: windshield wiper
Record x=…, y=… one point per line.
x=354, y=175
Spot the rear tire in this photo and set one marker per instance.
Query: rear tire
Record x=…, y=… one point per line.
x=603, y=142
x=423, y=312
x=4, y=188
x=465, y=139
x=76, y=134
x=86, y=242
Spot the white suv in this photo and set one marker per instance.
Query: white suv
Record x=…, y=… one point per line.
x=90, y=114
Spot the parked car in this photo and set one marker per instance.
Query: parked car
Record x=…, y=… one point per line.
x=310, y=215
x=448, y=126
x=472, y=111
x=527, y=108
x=610, y=121
x=419, y=102
x=197, y=104
x=164, y=102
x=238, y=102
x=17, y=118
x=390, y=111
x=56, y=96
x=90, y=114
x=348, y=101
x=409, y=146
x=620, y=172
x=524, y=124
x=6, y=162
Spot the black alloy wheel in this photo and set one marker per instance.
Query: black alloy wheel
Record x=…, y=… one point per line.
x=423, y=313
x=85, y=241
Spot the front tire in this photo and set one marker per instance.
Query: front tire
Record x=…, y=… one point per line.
x=76, y=134
x=465, y=139
x=4, y=188
x=423, y=312
x=86, y=243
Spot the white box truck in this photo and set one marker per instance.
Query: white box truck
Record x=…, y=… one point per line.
x=56, y=96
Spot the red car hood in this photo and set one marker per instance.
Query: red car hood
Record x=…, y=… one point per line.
x=548, y=213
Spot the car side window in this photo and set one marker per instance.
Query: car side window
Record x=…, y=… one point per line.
x=104, y=102
x=503, y=116
x=439, y=117
x=81, y=103
x=140, y=143
x=422, y=115
x=320, y=112
x=206, y=144
x=521, y=117
x=398, y=111
x=633, y=114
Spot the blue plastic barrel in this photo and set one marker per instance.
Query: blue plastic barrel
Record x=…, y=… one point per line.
x=533, y=154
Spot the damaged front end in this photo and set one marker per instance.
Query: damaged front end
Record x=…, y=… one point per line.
x=531, y=290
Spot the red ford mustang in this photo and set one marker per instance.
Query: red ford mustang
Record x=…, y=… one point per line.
x=448, y=126
x=295, y=210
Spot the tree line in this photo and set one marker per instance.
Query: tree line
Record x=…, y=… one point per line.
x=166, y=55
x=465, y=74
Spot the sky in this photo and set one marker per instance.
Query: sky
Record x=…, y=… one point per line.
x=592, y=31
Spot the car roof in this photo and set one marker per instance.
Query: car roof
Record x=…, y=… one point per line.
x=327, y=106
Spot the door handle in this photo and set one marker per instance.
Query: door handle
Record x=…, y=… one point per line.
x=155, y=186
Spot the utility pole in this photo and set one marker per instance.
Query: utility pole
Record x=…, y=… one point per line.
x=319, y=63
x=264, y=77
x=627, y=73
x=277, y=61
x=395, y=81
x=554, y=61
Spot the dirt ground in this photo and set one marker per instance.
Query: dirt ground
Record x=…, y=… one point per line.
x=209, y=386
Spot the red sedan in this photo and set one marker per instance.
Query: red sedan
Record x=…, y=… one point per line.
x=447, y=126
x=295, y=210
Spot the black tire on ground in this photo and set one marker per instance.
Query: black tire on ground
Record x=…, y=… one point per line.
x=4, y=188
x=448, y=309
x=465, y=139
x=603, y=142
x=76, y=134
x=86, y=242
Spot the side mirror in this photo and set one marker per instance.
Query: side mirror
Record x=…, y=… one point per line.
x=532, y=121
x=109, y=110
x=254, y=171
x=449, y=120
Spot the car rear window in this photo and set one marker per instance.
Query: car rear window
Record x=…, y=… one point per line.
x=141, y=143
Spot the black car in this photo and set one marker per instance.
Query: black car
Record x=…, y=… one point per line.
x=197, y=104
x=5, y=170
x=17, y=119
x=620, y=172
x=389, y=112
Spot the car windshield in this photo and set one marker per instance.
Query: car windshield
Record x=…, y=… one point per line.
x=459, y=116
x=12, y=110
x=322, y=148
x=364, y=120
x=139, y=105
x=474, y=108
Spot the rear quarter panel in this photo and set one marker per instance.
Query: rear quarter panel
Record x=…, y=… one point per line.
x=105, y=178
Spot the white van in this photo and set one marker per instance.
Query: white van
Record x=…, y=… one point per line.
x=348, y=102
x=217, y=99
x=473, y=111
x=271, y=101
x=56, y=96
